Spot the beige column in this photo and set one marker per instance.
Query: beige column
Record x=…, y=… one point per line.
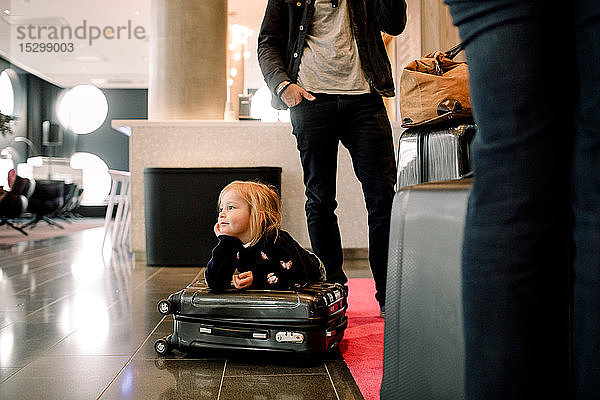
x=187, y=60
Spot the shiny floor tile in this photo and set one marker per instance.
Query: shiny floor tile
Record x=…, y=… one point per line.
x=342, y=380
x=105, y=336
x=73, y=377
x=357, y=268
x=79, y=322
x=245, y=364
x=168, y=379
x=22, y=342
x=274, y=387
x=7, y=372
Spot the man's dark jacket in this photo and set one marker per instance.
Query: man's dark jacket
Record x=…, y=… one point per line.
x=285, y=26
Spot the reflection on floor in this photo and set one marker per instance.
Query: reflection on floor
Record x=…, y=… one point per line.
x=77, y=325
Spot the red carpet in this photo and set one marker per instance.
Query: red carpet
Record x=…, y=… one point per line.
x=362, y=346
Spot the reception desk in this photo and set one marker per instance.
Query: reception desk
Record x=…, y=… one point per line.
x=202, y=144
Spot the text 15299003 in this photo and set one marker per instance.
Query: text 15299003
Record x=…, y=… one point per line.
x=44, y=47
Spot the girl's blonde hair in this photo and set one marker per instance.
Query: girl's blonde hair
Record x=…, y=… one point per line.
x=265, y=208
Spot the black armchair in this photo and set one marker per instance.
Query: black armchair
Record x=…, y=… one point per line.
x=72, y=199
x=40, y=198
x=12, y=206
x=46, y=200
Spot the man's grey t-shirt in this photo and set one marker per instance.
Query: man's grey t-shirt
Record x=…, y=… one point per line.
x=330, y=62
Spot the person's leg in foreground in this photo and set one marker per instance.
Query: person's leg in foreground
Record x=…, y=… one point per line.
x=516, y=251
x=586, y=203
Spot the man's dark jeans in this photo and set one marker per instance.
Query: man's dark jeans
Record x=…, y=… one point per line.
x=360, y=123
x=532, y=234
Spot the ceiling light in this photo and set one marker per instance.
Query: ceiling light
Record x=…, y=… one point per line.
x=82, y=109
x=7, y=12
x=7, y=93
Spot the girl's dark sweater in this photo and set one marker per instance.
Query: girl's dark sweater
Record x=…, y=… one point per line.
x=275, y=264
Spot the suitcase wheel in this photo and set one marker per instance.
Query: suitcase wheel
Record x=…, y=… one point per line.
x=162, y=346
x=164, y=307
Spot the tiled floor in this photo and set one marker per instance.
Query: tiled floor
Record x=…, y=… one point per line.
x=75, y=324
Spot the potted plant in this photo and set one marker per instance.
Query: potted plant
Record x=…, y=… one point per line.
x=6, y=124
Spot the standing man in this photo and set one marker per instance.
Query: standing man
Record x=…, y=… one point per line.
x=326, y=61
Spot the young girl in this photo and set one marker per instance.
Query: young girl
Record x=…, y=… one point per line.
x=251, y=242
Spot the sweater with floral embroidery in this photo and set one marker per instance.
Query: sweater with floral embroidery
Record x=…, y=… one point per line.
x=275, y=264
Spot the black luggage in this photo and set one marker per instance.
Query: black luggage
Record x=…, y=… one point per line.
x=308, y=319
x=434, y=152
x=424, y=347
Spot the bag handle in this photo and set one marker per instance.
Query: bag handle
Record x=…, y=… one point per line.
x=454, y=51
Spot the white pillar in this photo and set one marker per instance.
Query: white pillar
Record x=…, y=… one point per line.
x=187, y=60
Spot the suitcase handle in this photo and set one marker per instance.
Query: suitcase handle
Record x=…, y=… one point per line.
x=238, y=333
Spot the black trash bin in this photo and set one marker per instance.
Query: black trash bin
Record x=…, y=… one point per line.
x=181, y=210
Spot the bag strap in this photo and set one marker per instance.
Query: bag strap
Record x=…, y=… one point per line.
x=454, y=51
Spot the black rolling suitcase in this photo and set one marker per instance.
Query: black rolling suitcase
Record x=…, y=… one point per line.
x=424, y=347
x=435, y=152
x=309, y=319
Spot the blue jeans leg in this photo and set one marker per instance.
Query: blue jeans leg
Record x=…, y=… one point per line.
x=517, y=243
x=586, y=204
